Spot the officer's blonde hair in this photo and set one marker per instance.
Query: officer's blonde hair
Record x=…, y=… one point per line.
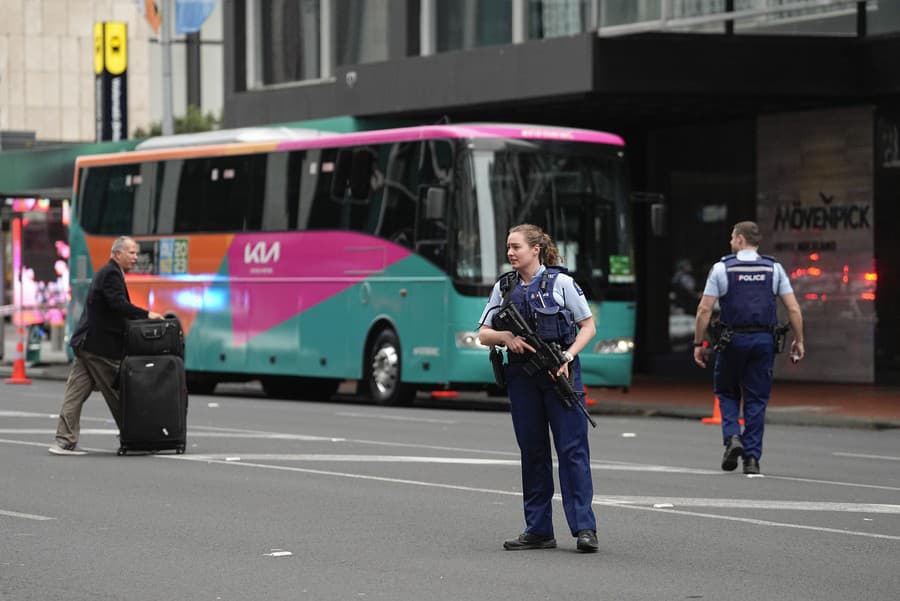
x=535, y=236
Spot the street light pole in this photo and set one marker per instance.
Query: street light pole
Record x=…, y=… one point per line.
x=165, y=42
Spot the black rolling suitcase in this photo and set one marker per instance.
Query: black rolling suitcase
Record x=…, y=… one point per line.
x=154, y=337
x=153, y=390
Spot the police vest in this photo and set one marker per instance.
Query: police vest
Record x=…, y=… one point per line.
x=550, y=321
x=749, y=301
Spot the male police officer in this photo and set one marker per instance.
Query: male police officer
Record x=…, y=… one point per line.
x=746, y=284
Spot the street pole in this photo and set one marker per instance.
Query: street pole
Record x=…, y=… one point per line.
x=165, y=42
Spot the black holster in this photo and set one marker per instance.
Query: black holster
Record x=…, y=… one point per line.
x=781, y=336
x=724, y=339
x=498, y=367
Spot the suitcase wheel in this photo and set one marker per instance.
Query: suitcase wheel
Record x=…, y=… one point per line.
x=121, y=451
x=179, y=450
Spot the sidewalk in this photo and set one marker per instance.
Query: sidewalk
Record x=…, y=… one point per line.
x=794, y=403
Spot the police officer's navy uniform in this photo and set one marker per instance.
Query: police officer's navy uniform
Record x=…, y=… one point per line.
x=552, y=303
x=747, y=285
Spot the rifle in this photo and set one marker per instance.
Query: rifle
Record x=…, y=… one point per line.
x=547, y=358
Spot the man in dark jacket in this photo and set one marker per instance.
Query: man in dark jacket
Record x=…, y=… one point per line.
x=98, y=344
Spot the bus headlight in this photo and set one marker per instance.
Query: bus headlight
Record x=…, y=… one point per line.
x=614, y=346
x=469, y=340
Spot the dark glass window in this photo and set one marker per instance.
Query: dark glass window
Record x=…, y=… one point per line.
x=106, y=199
x=221, y=194
x=473, y=23
x=554, y=18
x=397, y=217
x=323, y=209
x=288, y=37
x=361, y=31
x=348, y=185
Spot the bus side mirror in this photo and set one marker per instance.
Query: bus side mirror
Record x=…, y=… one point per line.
x=435, y=203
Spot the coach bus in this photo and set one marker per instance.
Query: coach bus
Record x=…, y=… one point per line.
x=305, y=259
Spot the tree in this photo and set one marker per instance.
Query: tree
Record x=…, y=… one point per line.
x=192, y=121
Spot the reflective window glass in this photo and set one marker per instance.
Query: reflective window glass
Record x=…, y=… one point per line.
x=286, y=39
x=361, y=30
x=554, y=18
x=465, y=24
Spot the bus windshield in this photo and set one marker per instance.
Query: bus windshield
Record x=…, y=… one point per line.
x=575, y=192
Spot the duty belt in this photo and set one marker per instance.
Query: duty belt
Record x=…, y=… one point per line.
x=751, y=329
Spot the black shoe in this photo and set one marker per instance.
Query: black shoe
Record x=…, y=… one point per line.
x=587, y=541
x=734, y=448
x=751, y=465
x=527, y=540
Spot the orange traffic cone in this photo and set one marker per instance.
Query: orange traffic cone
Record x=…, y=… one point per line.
x=716, y=418
x=18, y=374
x=588, y=400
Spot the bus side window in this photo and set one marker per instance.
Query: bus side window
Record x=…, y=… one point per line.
x=221, y=194
x=275, y=210
x=147, y=191
x=107, y=198
x=168, y=197
x=324, y=211
x=396, y=221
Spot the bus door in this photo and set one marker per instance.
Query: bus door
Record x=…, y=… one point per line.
x=427, y=349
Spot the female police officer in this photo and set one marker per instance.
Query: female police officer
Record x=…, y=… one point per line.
x=551, y=301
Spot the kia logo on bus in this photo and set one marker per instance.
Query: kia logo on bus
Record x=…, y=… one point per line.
x=261, y=254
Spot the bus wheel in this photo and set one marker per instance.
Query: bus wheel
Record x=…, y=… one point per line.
x=383, y=371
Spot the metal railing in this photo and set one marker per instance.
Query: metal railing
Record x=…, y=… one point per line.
x=765, y=13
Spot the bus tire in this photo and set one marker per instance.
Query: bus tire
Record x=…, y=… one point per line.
x=383, y=371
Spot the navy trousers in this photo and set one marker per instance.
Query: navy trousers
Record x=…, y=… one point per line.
x=744, y=370
x=536, y=411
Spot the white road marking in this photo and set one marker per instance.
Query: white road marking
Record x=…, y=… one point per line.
x=399, y=418
x=359, y=458
x=750, y=504
x=24, y=516
x=49, y=432
x=27, y=414
x=864, y=456
x=729, y=518
x=634, y=503
x=597, y=501
x=356, y=458
x=193, y=434
x=833, y=482
x=217, y=432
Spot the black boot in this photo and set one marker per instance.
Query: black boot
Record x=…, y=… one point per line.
x=526, y=541
x=587, y=541
x=734, y=448
x=751, y=465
